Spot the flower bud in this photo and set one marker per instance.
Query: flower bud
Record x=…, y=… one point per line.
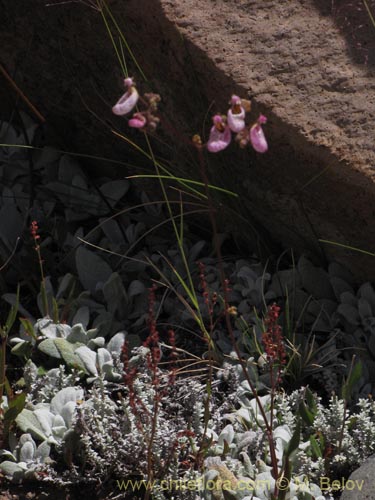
x=137, y=121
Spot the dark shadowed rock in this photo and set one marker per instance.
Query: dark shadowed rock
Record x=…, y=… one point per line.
x=293, y=58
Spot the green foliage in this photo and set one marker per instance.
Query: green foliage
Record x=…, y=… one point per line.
x=348, y=385
x=72, y=418
x=82, y=350
x=14, y=403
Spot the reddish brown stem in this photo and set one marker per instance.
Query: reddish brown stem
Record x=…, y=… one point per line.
x=21, y=94
x=211, y=212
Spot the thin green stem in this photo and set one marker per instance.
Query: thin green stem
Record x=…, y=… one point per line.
x=61, y=151
x=123, y=39
x=190, y=287
x=211, y=212
x=348, y=247
x=3, y=346
x=123, y=67
x=34, y=232
x=43, y=289
x=369, y=12
x=150, y=454
x=184, y=180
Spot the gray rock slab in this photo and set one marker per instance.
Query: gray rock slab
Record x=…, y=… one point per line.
x=361, y=483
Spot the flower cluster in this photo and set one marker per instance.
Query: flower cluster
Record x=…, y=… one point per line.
x=272, y=338
x=234, y=121
x=221, y=131
x=145, y=119
x=152, y=341
x=34, y=228
x=210, y=300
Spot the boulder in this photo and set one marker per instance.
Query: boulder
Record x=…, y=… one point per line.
x=361, y=483
x=299, y=63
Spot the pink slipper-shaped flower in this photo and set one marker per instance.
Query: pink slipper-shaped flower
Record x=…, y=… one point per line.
x=127, y=102
x=236, y=115
x=137, y=121
x=220, y=135
x=257, y=137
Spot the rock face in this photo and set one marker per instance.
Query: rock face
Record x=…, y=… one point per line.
x=361, y=483
x=299, y=64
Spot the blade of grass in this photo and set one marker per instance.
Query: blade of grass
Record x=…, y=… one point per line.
x=158, y=164
x=369, y=12
x=157, y=226
x=184, y=180
x=21, y=94
x=104, y=3
x=190, y=285
x=196, y=316
x=314, y=178
x=123, y=66
x=78, y=155
x=348, y=247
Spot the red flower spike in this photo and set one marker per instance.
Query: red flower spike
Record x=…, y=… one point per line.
x=272, y=338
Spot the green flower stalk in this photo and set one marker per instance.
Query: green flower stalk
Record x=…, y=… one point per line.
x=34, y=233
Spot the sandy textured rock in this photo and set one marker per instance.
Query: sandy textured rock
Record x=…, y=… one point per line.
x=302, y=71
x=292, y=57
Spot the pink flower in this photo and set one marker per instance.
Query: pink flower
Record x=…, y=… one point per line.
x=127, y=102
x=236, y=115
x=137, y=121
x=257, y=137
x=220, y=135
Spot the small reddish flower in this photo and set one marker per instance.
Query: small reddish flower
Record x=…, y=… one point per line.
x=34, y=230
x=152, y=341
x=236, y=115
x=257, y=137
x=137, y=121
x=127, y=102
x=220, y=135
x=272, y=338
